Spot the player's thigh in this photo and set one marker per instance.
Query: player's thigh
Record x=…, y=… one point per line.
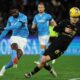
x=22, y=42
x=13, y=39
x=43, y=40
x=45, y=58
x=14, y=42
x=53, y=52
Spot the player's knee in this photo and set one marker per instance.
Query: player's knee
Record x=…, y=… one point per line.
x=43, y=47
x=43, y=60
x=14, y=46
x=19, y=51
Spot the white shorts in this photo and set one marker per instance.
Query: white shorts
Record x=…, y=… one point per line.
x=44, y=40
x=21, y=42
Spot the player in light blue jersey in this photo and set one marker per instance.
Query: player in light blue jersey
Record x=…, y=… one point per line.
x=42, y=20
x=17, y=22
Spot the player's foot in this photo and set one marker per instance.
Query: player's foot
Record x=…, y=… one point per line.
x=2, y=71
x=15, y=66
x=28, y=75
x=36, y=62
x=53, y=72
x=1, y=74
x=53, y=61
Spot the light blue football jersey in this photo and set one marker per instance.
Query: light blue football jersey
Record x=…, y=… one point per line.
x=17, y=25
x=42, y=23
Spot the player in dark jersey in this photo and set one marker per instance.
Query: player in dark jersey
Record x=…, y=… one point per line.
x=67, y=30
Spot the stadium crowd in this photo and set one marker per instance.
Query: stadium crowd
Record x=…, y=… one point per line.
x=57, y=8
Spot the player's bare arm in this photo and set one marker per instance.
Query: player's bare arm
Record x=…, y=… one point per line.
x=53, y=22
x=33, y=26
x=68, y=30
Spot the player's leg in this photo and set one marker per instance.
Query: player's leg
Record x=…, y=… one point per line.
x=43, y=44
x=22, y=42
x=19, y=55
x=50, y=69
x=43, y=62
x=43, y=47
x=50, y=54
x=5, y=67
x=52, y=40
x=17, y=45
x=13, y=59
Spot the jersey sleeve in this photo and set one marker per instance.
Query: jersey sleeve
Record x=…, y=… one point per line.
x=60, y=27
x=34, y=21
x=49, y=17
x=17, y=25
x=4, y=33
x=24, y=21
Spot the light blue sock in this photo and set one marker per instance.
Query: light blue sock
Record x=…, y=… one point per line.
x=9, y=65
x=0, y=54
x=41, y=54
x=13, y=55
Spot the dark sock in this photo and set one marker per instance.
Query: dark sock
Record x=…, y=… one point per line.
x=36, y=69
x=51, y=70
x=48, y=67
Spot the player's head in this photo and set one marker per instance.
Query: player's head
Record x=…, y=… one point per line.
x=74, y=15
x=41, y=7
x=14, y=11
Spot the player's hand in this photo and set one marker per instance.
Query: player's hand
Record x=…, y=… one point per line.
x=68, y=30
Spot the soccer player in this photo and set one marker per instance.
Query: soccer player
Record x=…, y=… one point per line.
x=17, y=22
x=41, y=21
x=67, y=30
x=53, y=36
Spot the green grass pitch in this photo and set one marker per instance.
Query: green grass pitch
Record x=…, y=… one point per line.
x=67, y=67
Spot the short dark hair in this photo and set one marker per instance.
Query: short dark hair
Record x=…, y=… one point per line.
x=14, y=7
x=41, y=3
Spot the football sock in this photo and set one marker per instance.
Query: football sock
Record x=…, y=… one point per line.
x=13, y=56
x=48, y=67
x=41, y=54
x=51, y=70
x=10, y=64
x=36, y=69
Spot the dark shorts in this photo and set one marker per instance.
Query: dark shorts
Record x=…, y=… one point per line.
x=52, y=39
x=58, y=47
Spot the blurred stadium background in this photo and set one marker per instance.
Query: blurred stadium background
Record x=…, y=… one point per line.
x=67, y=66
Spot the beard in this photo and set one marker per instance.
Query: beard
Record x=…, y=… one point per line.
x=15, y=16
